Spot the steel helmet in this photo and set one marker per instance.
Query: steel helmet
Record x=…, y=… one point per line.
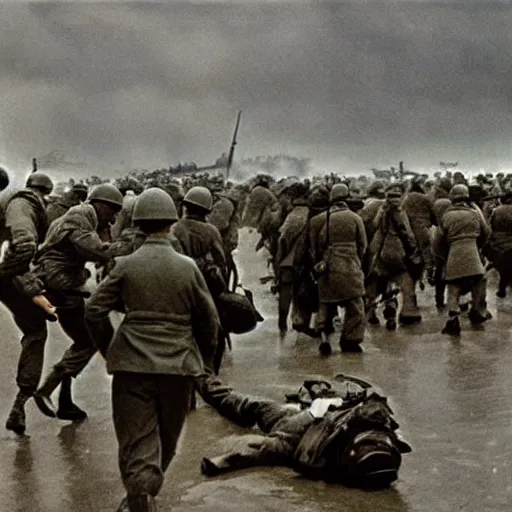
x=155, y=204
x=339, y=192
x=199, y=196
x=106, y=193
x=4, y=179
x=40, y=181
x=459, y=193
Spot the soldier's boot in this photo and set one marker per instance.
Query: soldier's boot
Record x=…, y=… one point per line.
x=16, y=418
x=42, y=397
x=452, y=325
x=67, y=409
x=373, y=319
x=141, y=503
x=325, y=348
x=390, y=316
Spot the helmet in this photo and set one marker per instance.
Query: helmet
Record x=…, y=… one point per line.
x=106, y=193
x=339, y=192
x=459, y=193
x=199, y=196
x=155, y=204
x=4, y=179
x=40, y=181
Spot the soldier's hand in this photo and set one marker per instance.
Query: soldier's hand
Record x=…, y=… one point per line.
x=46, y=305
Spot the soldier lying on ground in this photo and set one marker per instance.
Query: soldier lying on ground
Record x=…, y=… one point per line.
x=334, y=434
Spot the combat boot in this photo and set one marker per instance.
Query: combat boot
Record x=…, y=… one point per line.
x=67, y=409
x=42, y=396
x=452, y=325
x=141, y=503
x=325, y=348
x=16, y=419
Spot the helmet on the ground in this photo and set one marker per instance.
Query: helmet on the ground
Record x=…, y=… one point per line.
x=155, y=204
x=372, y=459
x=199, y=196
x=459, y=193
x=339, y=192
x=4, y=179
x=40, y=181
x=106, y=193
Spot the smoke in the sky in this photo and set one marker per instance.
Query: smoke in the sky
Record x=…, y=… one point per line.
x=348, y=85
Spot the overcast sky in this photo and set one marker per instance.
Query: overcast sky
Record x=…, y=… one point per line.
x=350, y=85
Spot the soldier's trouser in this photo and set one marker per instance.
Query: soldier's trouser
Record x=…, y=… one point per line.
x=149, y=411
x=31, y=321
x=355, y=319
x=78, y=355
x=477, y=285
x=285, y=294
x=407, y=288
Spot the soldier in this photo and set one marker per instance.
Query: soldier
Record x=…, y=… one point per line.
x=338, y=240
x=393, y=256
x=165, y=341
x=72, y=241
x=500, y=242
x=225, y=216
x=58, y=206
x=347, y=438
x=420, y=212
x=289, y=236
x=202, y=242
x=464, y=232
x=24, y=227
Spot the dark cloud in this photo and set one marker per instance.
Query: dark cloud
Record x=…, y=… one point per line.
x=350, y=85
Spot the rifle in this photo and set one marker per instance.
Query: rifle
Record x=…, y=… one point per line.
x=34, y=164
x=233, y=144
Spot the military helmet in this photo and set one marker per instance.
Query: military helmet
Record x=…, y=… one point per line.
x=459, y=193
x=40, y=181
x=339, y=192
x=199, y=196
x=155, y=204
x=4, y=179
x=106, y=193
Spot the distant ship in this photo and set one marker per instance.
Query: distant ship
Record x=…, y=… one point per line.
x=55, y=159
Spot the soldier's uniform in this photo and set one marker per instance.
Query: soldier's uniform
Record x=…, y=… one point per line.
x=289, y=236
x=24, y=228
x=393, y=256
x=465, y=232
x=71, y=242
x=419, y=209
x=338, y=239
x=500, y=243
x=355, y=444
x=165, y=341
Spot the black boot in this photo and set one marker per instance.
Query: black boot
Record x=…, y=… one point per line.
x=67, y=409
x=43, y=394
x=452, y=325
x=325, y=348
x=141, y=503
x=16, y=419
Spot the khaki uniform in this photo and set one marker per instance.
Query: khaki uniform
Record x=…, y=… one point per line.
x=464, y=232
x=25, y=228
x=391, y=245
x=166, y=339
x=342, y=283
x=500, y=244
x=72, y=240
x=289, y=235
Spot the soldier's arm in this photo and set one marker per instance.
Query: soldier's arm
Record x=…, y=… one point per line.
x=217, y=249
x=205, y=319
x=90, y=246
x=21, y=220
x=106, y=298
x=362, y=242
